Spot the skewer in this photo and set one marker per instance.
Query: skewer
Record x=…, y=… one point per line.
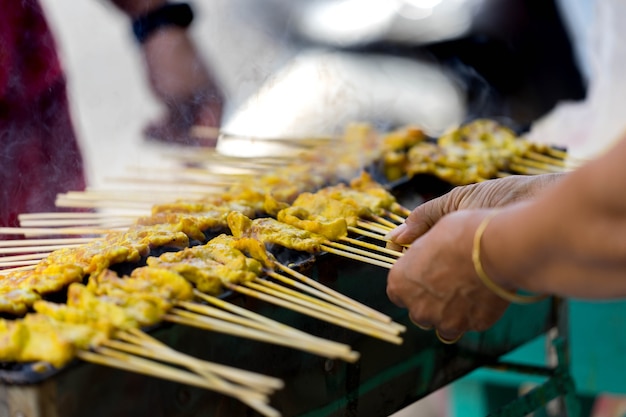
x=163, y=356
x=109, y=222
x=526, y=170
x=365, y=310
x=361, y=252
x=372, y=246
x=395, y=217
x=110, y=357
x=311, y=312
x=36, y=242
x=377, y=236
x=545, y=158
x=535, y=164
x=72, y=215
x=320, y=305
x=17, y=269
x=18, y=263
x=400, y=210
x=293, y=332
x=34, y=231
x=204, y=322
x=374, y=227
x=27, y=257
x=237, y=375
x=384, y=222
x=43, y=249
x=356, y=257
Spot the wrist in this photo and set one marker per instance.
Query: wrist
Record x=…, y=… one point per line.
x=164, y=15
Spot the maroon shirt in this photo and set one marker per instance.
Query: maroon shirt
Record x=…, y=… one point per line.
x=39, y=153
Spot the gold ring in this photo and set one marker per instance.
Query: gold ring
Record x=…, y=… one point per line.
x=446, y=341
x=426, y=328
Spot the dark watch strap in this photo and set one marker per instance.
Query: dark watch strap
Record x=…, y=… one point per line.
x=170, y=14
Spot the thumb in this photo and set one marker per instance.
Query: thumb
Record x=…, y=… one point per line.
x=421, y=219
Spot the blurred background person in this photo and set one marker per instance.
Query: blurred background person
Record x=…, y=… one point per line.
x=40, y=155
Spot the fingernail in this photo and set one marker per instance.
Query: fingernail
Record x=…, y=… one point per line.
x=392, y=235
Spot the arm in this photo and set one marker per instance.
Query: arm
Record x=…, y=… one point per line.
x=555, y=243
x=178, y=77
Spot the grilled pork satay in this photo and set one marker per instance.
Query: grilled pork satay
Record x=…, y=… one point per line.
x=271, y=231
x=208, y=266
x=38, y=337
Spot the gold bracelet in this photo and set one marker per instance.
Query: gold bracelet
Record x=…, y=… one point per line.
x=489, y=283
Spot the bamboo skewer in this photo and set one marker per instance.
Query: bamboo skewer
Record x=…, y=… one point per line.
x=395, y=217
x=204, y=322
x=535, y=164
x=313, y=313
x=377, y=236
x=384, y=222
x=374, y=227
x=371, y=246
x=293, y=332
x=365, y=310
x=46, y=250
x=113, y=358
x=19, y=263
x=36, y=242
x=320, y=305
x=400, y=210
x=252, y=379
x=27, y=257
x=361, y=252
x=163, y=356
x=35, y=231
x=356, y=257
x=17, y=269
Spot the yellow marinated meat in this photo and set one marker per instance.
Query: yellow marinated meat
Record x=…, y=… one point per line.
x=74, y=315
x=80, y=297
x=198, y=266
x=322, y=204
x=192, y=224
x=37, y=337
x=17, y=301
x=331, y=229
x=221, y=249
x=271, y=231
x=255, y=249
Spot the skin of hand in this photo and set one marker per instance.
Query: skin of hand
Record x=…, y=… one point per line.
x=436, y=282
x=487, y=194
x=446, y=292
x=181, y=80
x=178, y=77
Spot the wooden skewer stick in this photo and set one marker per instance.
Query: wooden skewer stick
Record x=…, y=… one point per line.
x=203, y=322
x=546, y=159
x=373, y=227
x=252, y=379
x=371, y=246
x=521, y=169
x=152, y=368
x=320, y=305
x=17, y=269
x=74, y=215
x=164, y=356
x=111, y=221
x=18, y=263
x=32, y=231
x=29, y=249
x=36, y=242
x=320, y=294
x=535, y=164
x=313, y=313
x=27, y=257
x=284, y=332
x=365, y=310
x=399, y=209
x=395, y=217
x=293, y=332
x=356, y=257
x=366, y=233
x=384, y=222
x=362, y=252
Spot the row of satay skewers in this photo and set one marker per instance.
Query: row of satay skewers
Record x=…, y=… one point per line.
x=101, y=319
x=258, y=204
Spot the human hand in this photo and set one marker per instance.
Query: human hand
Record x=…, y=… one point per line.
x=181, y=80
x=487, y=194
x=436, y=281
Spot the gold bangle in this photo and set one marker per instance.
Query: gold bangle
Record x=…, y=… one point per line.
x=489, y=283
